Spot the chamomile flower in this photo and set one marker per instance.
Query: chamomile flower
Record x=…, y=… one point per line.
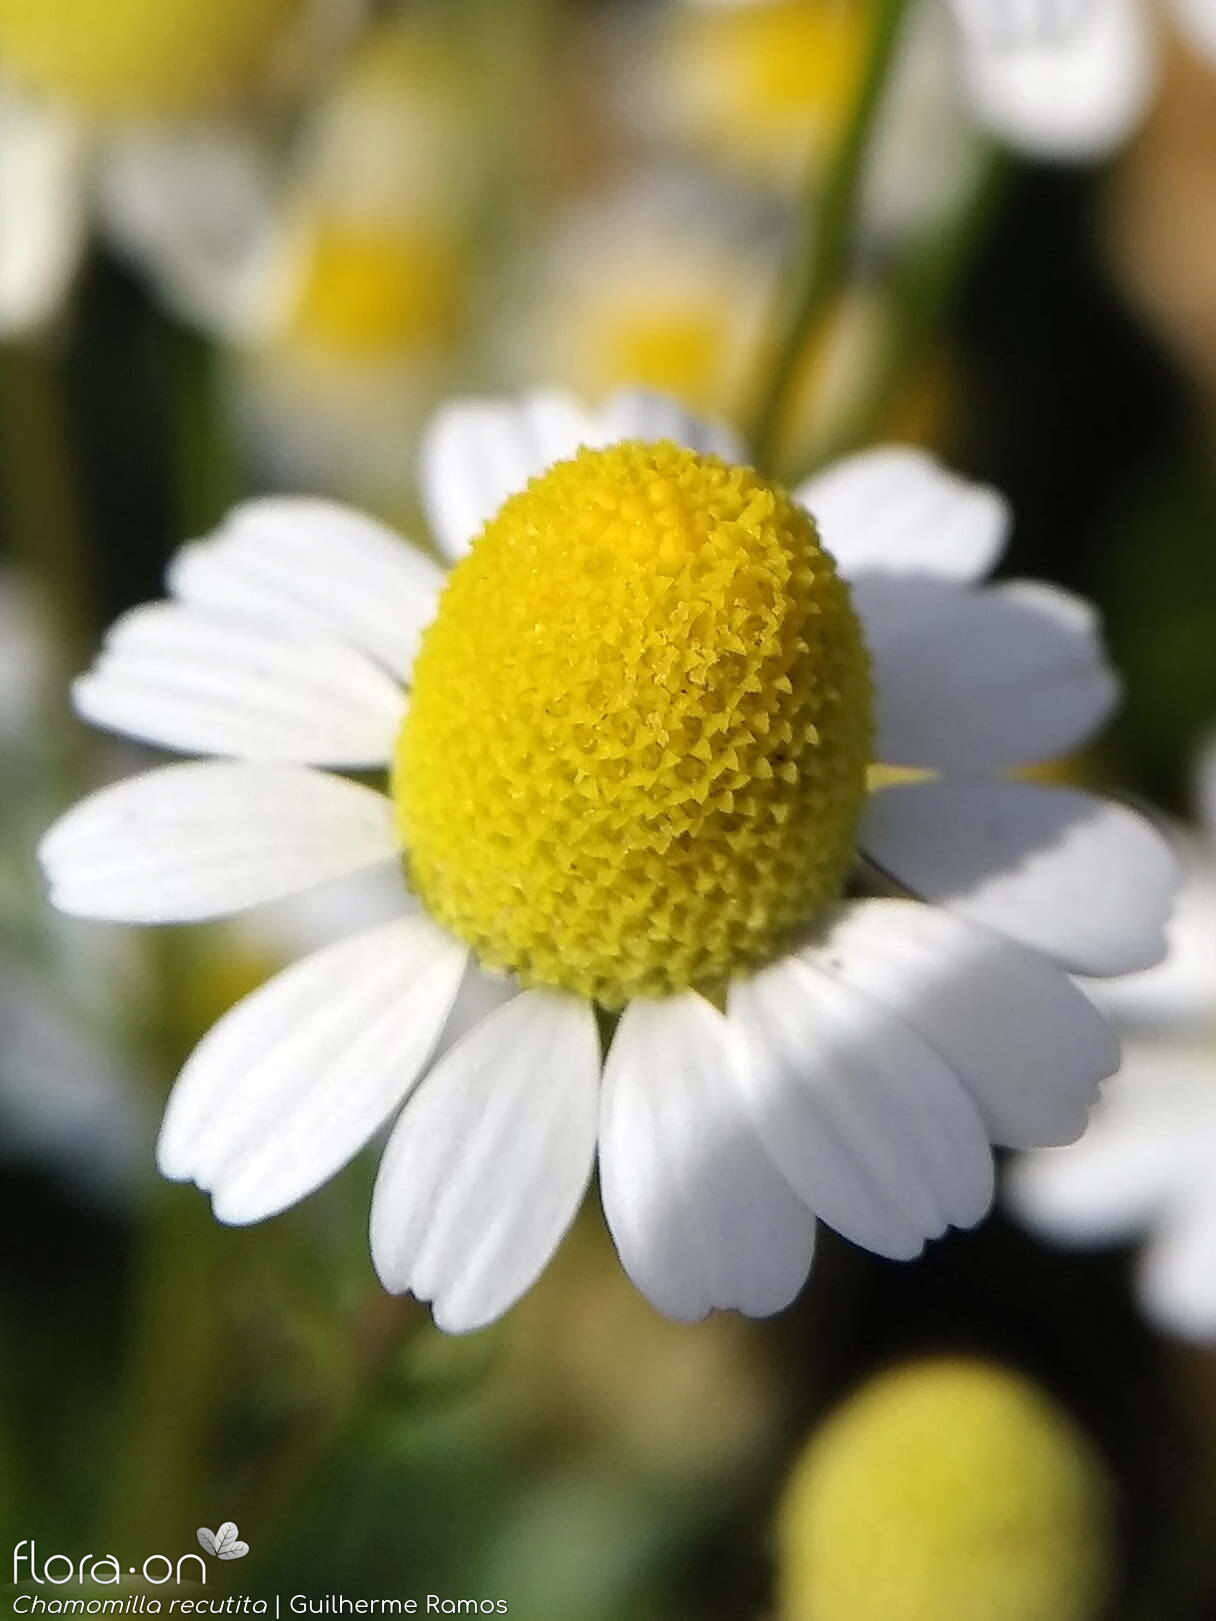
x=667, y=281
x=136, y=116
x=663, y=281
x=1060, y=80
x=1144, y=1168
x=631, y=741
x=356, y=295
x=762, y=88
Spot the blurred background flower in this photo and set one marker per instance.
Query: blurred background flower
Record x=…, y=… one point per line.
x=945, y=1488
x=1145, y=1164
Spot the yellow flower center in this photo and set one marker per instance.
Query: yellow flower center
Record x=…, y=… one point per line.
x=140, y=58
x=679, y=349
x=372, y=291
x=762, y=83
x=637, y=743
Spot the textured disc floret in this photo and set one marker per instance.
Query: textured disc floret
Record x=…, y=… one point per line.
x=141, y=58
x=637, y=743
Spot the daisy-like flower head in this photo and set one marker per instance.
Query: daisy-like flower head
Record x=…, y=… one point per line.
x=143, y=58
x=765, y=86
x=141, y=116
x=661, y=281
x=358, y=288
x=1144, y=1169
x=1061, y=80
x=665, y=281
x=634, y=770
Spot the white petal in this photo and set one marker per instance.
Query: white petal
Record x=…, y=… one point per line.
x=480, y=995
x=1029, y=1047
x=1205, y=788
x=1074, y=98
x=1179, y=994
x=307, y=565
x=992, y=679
x=864, y=1118
x=477, y=452
x=1197, y=20
x=43, y=182
x=1010, y=23
x=292, y=1082
x=699, y=1212
x=1178, y=1273
x=897, y=511
x=638, y=413
x=193, y=203
x=1086, y=881
x=488, y=1165
x=202, y=839
x=187, y=679
x=1150, y=1143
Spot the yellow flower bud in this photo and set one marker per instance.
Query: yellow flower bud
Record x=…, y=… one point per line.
x=945, y=1491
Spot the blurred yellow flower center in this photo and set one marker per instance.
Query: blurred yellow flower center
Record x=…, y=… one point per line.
x=678, y=349
x=637, y=743
x=762, y=82
x=141, y=58
x=945, y=1491
x=372, y=291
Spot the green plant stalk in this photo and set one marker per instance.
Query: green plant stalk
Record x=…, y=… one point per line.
x=173, y=1367
x=41, y=501
x=830, y=213
x=379, y=1330
x=920, y=294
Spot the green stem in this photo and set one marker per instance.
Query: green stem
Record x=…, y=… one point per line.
x=921, y=293
x=379, y=1329
x=173, y=1370
x=207, y=471
x=509, y=56
x=41, y=498
x=829, y=219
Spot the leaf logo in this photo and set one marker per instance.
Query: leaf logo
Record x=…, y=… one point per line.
x=222, y=1544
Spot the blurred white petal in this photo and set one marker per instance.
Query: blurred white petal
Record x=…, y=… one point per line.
x=1149, y=1146
x=640, y=413
x=1179, y=994
x=1009, y=24
x=1197, y=21
x=44, y=182
x=1074, y=98
x=1177, y=1274
x=1205, y=788
x=192, y=204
